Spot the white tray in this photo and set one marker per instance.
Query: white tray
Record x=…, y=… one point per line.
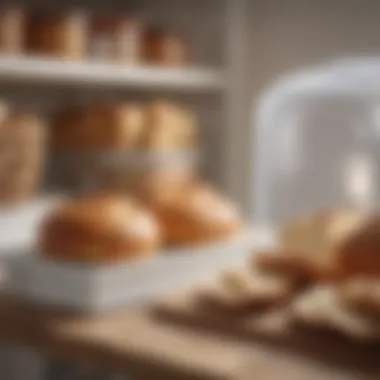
x=19, y=223
x=95, y=288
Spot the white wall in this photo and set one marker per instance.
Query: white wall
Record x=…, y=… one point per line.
x=292, y=33
x=286, y=35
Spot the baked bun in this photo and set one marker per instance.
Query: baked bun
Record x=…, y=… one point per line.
x=101, y=127
x=199, y=214
x=362, y=295
x=322, y=308
x=99, y=229
x=317, y=238
x=244, y=291
x=301, y=269
x=167, y=126
x=359, y=253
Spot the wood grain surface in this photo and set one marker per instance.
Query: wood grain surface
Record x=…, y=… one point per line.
x=151, y=345
x=131, y=341
x=302, y=349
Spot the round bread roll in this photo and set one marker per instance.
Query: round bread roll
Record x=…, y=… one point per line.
x=359, y=253
x=99, y=229
x=316, y=239
x=199, y=214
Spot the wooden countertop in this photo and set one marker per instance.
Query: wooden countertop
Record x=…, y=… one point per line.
x=131, y=340
x=136, y=343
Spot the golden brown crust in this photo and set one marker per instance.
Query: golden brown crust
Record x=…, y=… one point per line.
x=12, y=30
x=24, y=128
x=302, y=269
x=59, y=35
x=101, y=127
x=317, y=239
x=198, y=215
x=244, y=291
x=167, y=126
x=160, y=47
x=359, y=253
x=22, y=140
x=160, y=125
x=99, y=228
x=362, y=294
x=322, y=308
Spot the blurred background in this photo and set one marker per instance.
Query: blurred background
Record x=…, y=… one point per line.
x=227, y=53
x=147, y=97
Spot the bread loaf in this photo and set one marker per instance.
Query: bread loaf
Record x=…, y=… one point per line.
x=12, y=30
x=244, y=291
x=62, y=36
x=299, y=268
x=22, y=153
x=103, y=228
x=359, y=253
x=199, y=214
x=362, y=294
x=168, y=126
x=101, y=127
x=115, y=38
x=322, y=308
x=317, y=238
x=164, y=48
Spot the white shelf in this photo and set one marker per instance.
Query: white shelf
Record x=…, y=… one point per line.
x=94, y=73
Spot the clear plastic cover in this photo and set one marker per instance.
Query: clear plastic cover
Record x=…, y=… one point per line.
x=317, y=141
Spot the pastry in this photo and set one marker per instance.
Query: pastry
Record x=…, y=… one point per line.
x=362, y=294
x=12, y=30
x=359, y=253
x=321, y=308
x=163, y=48
x=22, y=140
x=199, y=214
x=302, y=269
x=104, y=228
x=243, y=291
x=101, y=127
x=24, y=128
x=116, y=38
x=158, y=186
x=317, y=238
x=63, y=36
x=167, y=126
x=4, y=112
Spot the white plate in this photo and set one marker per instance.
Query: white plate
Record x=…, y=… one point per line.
x=18, y=223
x=95, y=288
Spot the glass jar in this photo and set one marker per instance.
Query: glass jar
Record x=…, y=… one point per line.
x=60, y=35
x=12, y=30
x=317, y=141
x=163, y=48
x=116, y=39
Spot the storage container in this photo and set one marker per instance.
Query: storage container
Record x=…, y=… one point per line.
x=317, y=141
